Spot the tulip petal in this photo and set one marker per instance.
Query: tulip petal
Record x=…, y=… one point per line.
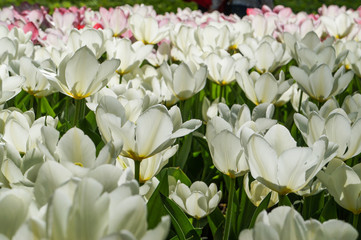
x=266, y=88
x=76, y=147
x=279, y=138
x=154, y=127
x=262, y=160
x=80, y=71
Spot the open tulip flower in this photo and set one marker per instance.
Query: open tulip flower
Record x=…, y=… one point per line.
x=114, y=19
x=222, y=67
x=198, y=200
x=340, y=26
x=225, y=133
x=147, y=29
x=319, y=83
x=10, y=86
x=343, y=183
x=92, y=38
x=286, y=223
x=80, y=75
x=266, y=55
x=86, y=210
x=352, y=105
x=35, y=82
x=276, y=161
x=311, y=41
x=338, y=128
x=153, y=131
x=149, y=167
x=22, y=130
x=131, y=55
x=256, y=192
x=184, y=80
x=75, y=150
x=263, y=88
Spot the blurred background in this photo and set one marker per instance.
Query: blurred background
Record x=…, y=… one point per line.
x=161, y=6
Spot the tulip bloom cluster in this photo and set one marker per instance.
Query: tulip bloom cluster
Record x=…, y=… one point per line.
x=125, y=124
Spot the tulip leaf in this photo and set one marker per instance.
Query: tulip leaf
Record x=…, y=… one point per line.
x=245, y=210
x=180, y=222
x=182, y=157
x=46, y=108
x=312, y=205
x=216, y=223
x=329, y=211
x=284, y=201
x=155, y=206
x=90, y=117
x=261, y=207
x=186, y=109
x=21, y=99
x=178, y=174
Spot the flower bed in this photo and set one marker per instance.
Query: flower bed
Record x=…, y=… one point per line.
x=122, y=123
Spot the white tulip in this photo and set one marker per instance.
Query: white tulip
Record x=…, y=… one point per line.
x=10, y=86
x=343, y=183
x=279, y=164
x=131, y=55
x=222, y=68
x=286, y=223
x=319, y=83
x=80, y=75
x=198, y=200
x=338, y=128
x=184, y=80
x=147, y=29
x=263, y=88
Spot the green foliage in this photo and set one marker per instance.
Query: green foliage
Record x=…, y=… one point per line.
x=160, y=6
x=311, y=6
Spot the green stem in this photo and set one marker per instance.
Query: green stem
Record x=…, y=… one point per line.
x=284, y=200
x=38, y=107
x=79, y=111
x=137, y=170
x=220, y=93
x=227, y=227
x=196, y=223
x=355, y=221
x=32, y=102
x=300, y=102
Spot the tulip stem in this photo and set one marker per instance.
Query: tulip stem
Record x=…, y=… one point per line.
x=79, y=111
x=284, y=200
x=38, y=107
x=137, y=170
x=220, y=93
x=300, y=102
x=227, y=227
x=355, y=221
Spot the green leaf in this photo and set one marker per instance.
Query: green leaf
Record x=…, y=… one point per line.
x=180, y=222
x=178, y=174
x=312, y=205
x=216, y=223
x=182, y=157
x=90, y=117
x=155, y=206
x=261, y=207
x=245, y=210
x=284, y=201
x=46, y=108
x=329, y=211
